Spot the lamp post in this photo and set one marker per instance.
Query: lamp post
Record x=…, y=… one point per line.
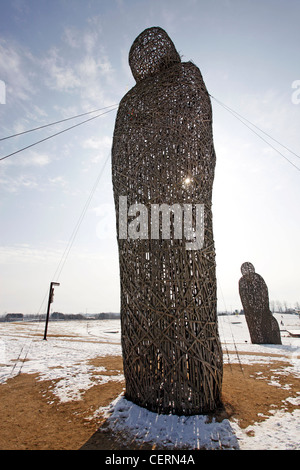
x=50, y=300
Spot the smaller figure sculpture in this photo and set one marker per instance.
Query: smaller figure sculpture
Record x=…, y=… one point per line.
x=263, y=327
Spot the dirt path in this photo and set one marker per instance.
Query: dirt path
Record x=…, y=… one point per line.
x=33, y=418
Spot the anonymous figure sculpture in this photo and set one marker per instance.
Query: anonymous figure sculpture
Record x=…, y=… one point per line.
x=263, y=327
x=163, y=163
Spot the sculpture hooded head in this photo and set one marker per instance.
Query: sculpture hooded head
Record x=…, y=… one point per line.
x=247, y=268
x=151, y=52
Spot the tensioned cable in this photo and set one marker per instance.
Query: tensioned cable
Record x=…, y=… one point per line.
x=64, y=257
x=57, y=122
x=116, y=104
x=67, y=250
x=79, y=222
x=233, y=112
x=241, y=119
x=220, y=323
x=235, y=347
x=245, y=119
x=57, y=133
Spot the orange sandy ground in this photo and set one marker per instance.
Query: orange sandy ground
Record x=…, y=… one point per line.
x=33, y=418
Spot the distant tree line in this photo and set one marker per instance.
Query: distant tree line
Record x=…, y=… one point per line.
x=80, y=316
x=56, y=316
x=66, y=316
x=277, y=306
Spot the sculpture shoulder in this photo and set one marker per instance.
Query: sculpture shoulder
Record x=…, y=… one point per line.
x=183, y=74
x=190, y=70
x=178, y=86
x=252, y=281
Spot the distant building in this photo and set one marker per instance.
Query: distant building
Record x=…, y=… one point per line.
x=14, y=317
x=107, y=316
x=57, y=316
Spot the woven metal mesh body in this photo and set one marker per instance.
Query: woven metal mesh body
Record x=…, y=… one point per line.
x=263, y=327
x=162, y=140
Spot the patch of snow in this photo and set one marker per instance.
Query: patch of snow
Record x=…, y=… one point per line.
x=63, y=358
x=170, y=431
x=279, y=432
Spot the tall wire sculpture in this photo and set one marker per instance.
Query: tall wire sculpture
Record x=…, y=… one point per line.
x=263, y=327
x=163, y=157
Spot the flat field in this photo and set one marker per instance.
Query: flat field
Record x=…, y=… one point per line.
x=67, y=392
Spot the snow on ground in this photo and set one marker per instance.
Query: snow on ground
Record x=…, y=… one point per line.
x=194, y=432
x=66, y=358
x=235, y=339
x=279, y=432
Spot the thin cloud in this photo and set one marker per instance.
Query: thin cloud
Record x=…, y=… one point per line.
x=35, y=159
x=61, y=77
x=58, y=181
x=16, y=72
x=97, y=143
x=30, y=159
x=84, y=75
x=15, y=184
x=71, y=37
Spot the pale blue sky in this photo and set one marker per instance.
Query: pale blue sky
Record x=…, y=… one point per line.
x=65, y=57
